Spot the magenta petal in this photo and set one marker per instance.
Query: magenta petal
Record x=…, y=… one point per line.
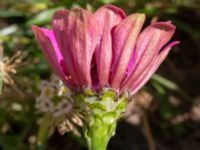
x=58, y=26
x=107, y=17
x=150, y=70
x=60, y=34
x=149, y=43
x=124, y=39
x=80, y=41
x=51, y=51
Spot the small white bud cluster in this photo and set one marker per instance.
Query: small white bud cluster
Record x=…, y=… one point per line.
x=56, y=99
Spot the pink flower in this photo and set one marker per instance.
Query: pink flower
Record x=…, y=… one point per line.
x=105, y=48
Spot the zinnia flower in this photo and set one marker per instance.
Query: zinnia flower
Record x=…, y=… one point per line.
x=105, y=48
x=108, y=53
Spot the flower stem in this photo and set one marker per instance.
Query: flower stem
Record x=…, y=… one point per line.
x=101, y=113
x=98, y=135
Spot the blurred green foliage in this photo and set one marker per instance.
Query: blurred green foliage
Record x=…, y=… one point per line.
x=18, y=118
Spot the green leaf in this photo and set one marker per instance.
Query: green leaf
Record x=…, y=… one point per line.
x=167, y=83
x=8, y=13
x=43, y=17
x=8, y=30
x=107, y=1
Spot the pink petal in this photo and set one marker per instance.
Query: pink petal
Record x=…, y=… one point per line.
x=124, y=39
x=51, y=51
x=149, y=43
x=80, y=41
x=58, y=26
x=150, y=70
x=60, y=34
x=107, y=17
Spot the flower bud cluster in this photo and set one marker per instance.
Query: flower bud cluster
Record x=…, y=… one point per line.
x=56, y=99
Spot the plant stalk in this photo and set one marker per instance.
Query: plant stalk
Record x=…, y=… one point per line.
x=101, y=113
x=98, y=135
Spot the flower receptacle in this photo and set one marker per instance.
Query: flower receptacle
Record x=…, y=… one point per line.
x=102, y=111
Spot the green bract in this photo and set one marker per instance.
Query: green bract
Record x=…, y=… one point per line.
x=101, y=113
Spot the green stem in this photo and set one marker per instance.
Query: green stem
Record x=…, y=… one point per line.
x=99, y=134
x=101, y=112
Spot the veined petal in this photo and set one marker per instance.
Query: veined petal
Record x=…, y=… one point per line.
x=58, y=26
x=49, y=47
x=60, y=35
x=151, y=69
x=149, y=43
x=80, y=36
x=124, y=39
x=107, y=17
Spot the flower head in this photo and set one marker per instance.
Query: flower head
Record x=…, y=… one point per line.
x=105, y=48
x=8, y=65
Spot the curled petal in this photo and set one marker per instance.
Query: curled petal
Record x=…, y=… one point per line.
x=49, y=47
x=149, y=43
x=150, y=70
x=107, y=17
x=124, y=39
